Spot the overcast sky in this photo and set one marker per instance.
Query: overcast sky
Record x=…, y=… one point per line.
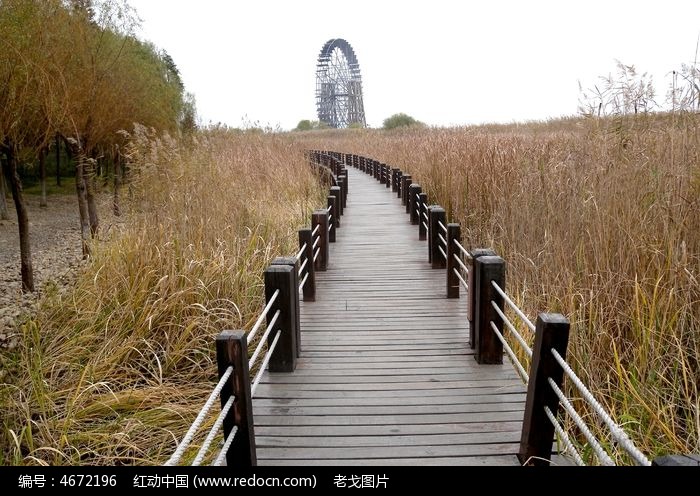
x=443, y=62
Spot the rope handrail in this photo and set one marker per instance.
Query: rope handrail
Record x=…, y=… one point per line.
x=303, y=265
x=425, y=215
x=318, y=240
x=514, y=359
x=330, y=208
x=213, y=432
x=461, y=264
x=568, y=445
x=425, y=225
x=595, y=445
x=442, y=240
x=461, y=280
x=263, y=314
x=512, y=329
x=189, y=435
x=513, y=306
x=462, y=249
x=330, y=217
x=303, y=281
x=263, y=340
x=229, y=441
x=443, y=252
x=301, y=251
x=316, y=253
x=263, y=366
x=313, y=233
x=442, y=226
x=615, y=430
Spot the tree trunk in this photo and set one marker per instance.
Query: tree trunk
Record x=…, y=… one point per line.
x=58, y=160
x=42, y=176
x=4, y=214
x=117, y=183
x=25, y=250
x=89, y=179
x=81, y=189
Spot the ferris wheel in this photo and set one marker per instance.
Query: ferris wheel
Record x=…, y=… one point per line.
x=339, y=86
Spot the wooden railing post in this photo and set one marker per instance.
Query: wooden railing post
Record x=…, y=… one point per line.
x=399, y=181
x=283, y=277
x=395, y=179
x=320, y=218
x=405, y=183
x=375, y=169
x=551, y=332
x=389, y=175
x=294, y=263
x=345, y=186
x=341, y=185
x=336, y=191
x=453, y=234
x=411, y=206
x=333, y=215
x=382, y=173
x=436, y=214
x=471, y=293
x=488, y=347
x=232, y=350
x=422, y=217
x=310, y=286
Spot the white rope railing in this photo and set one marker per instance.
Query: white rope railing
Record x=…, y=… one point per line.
x=318, y=240
x=443, y=252
x=442, y=240
x=224, y=450
x=187, y=439
x=516, y=363
x=461, y=264
x=462, y=249
x=258, y=323
x=263, y=339
x=263, y=366
x=615, y=430
x=301, y=269
x=442, y=226
x=313, y=233
x=513, y=306
x=425, y=225
x=330, y=208
x=595, y=445
x=461, y=280
x=316, y=253
x=213, y=432
x=566, y=441
x=300, y=252
x=303, y=281
x=425, y=215
x=512, y=329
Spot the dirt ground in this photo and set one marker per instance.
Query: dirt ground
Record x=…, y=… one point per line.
x=55, y=241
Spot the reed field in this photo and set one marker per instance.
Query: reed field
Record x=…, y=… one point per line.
x=114, y=371
x=598, y=220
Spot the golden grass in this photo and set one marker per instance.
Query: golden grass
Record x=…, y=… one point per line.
x=114, y=371
x=598, y=220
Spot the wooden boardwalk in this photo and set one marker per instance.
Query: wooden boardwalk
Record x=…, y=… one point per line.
x=386, y=374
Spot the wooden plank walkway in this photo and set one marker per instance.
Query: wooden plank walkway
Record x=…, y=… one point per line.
x=386, y=374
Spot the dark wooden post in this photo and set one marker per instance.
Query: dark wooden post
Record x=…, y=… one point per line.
x=413, y=203
x=382, y=173
x=339, y=212
x=310, y=286
x=551, y=332
x=471, y=293
x=395, y=179
x=453, y=234
x=437, y=214
x=341, y=180
x=294, y=263
x=346, y=188
x=488, y=347
x=399, y=181
x=232, y=350
x=320, y=218
x=389, y=176
x=332, y=216
x=405, y=183
x=423, y=217
x=282, y=278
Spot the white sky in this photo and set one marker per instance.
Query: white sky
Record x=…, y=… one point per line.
x=442, y=62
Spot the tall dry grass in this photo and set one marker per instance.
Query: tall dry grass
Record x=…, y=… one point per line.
x=114, y=371
x=598, y=220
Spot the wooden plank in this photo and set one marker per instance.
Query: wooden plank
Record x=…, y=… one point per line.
x=375, y=441
x=397, y=400
x=388, y=452
x=386, y=430
x=396, y=419
x=481, y=461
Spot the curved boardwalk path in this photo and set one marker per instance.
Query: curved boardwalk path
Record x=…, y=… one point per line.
x=386, y=374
